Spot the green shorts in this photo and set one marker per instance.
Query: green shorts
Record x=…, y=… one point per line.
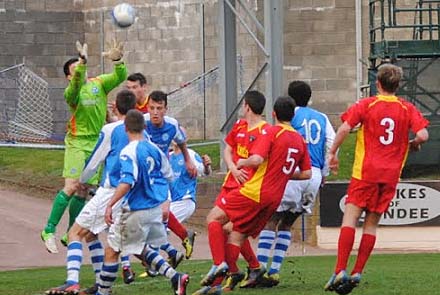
x=78, y=150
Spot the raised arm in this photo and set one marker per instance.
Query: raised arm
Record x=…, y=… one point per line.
x=119, y=74
x=71, y=93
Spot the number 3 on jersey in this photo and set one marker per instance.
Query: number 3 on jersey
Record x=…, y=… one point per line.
x=389, y=125
x=290, y=161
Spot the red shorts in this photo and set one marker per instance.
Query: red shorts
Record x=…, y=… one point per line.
x=374, y=197
x=223, y=192
x=247, y=216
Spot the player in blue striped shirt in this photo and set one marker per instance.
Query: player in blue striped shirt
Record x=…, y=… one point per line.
x=162, y=130
x=143, y=187
x=90, y=222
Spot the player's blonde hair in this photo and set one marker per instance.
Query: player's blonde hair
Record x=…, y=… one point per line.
x=389, y=76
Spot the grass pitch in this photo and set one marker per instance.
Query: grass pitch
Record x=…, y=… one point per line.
x=386, y=274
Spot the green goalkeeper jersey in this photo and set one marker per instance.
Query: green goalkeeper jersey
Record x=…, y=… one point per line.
x=87, y=100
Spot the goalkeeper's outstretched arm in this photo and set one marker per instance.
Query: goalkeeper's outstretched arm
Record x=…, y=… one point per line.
x=119, y=74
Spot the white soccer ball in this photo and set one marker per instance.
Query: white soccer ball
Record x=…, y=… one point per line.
x=123, y=15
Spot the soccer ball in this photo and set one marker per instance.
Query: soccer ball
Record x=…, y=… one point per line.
x=123, y=15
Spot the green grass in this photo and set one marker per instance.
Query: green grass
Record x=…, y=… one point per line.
x=346, y=158
x=38, y=168
x=213, y=151
x=32, y=167
x=402, y=274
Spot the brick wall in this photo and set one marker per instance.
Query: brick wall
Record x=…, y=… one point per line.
x=40, y=33
x=166, y=45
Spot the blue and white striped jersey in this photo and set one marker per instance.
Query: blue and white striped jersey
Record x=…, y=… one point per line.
x=112, y=139
x=184, y=186
x=148, y=171
x=318, y=132
x=163, y=136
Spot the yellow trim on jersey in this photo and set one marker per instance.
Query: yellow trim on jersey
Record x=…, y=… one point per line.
x=140, y=106
x=259, y=126
x=285, y=127
x=387, y=98
x=252, y=188
x=359, y=154
x=404, y=160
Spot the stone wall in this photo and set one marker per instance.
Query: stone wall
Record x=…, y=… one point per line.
x=167, y=44
x=42, y=34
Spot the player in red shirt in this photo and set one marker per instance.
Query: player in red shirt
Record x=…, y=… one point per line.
x=137, y=83
x=381, y=150
x=245, y=133
x=250, y=205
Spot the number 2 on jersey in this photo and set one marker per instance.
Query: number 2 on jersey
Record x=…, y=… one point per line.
x=150, y=165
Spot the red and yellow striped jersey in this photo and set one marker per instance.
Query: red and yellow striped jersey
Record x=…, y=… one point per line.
x=245, y=142
x=288, y=151
x=383, y=137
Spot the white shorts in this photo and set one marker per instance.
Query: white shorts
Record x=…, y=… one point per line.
x=295, y=189
x=183, y=209
x=134, y=229
x=92, y=216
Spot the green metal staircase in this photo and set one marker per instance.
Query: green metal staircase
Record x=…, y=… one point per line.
x=410, y=37
x=384, y=19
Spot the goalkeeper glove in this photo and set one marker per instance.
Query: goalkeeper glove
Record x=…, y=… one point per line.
x=115, y=52
x=82, y=51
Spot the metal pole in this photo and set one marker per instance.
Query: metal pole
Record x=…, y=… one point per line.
x=273, y=23
x=247, y=28
x=228, y=66
x=252, y=16
x=229, y=120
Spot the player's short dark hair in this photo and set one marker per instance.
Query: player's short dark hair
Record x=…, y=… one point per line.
x=301, y=92
x=134, y=121
x=137, y=77
x=389, y=76
x=284, y=108
x=67, y=64
x=255, y=100
x=125, y=101
x=159, y=96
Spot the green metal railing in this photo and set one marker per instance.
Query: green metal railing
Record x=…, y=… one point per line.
x=416, y=49
x=413, y=43
x=387, y=17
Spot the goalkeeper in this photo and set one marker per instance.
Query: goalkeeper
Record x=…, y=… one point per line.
x=87, y=100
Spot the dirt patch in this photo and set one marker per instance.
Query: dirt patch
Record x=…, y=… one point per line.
x=24, y=216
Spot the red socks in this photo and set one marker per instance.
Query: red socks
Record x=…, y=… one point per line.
x=217, y=241
x=232, y=252
x=249, y=255
x=345, y=245
x=176, y=227
x=365, y=249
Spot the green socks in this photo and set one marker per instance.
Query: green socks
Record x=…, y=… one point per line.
x=75, y=206
x=58, y=207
